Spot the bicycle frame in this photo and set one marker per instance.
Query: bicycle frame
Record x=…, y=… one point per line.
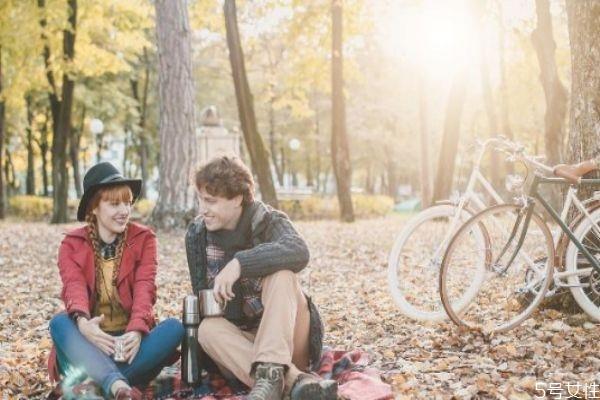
x=470, y=195
x=534, y=196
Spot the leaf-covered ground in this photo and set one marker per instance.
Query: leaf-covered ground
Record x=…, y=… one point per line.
x=347, y=279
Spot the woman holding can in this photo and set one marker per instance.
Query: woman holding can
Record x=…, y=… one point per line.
x=107, y=335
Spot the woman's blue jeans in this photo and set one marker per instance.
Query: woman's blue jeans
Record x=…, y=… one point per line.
x=78, y=357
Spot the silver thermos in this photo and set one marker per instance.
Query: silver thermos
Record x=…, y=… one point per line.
x=190, y=348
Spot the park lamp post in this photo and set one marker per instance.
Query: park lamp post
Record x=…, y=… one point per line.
x=294, y=145
x=97, y=127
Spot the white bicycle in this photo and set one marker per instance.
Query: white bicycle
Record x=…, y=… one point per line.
x=415, y=259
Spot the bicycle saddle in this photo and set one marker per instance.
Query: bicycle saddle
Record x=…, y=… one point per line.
x=573, y=172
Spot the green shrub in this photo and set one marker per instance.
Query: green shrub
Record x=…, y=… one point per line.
x=31, y=208
x=372, y=205
x=316, y=207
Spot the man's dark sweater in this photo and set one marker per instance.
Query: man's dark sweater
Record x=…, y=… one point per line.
x=274, y=245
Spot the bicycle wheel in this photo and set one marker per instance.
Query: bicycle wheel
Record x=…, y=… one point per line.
x=585, y=280
x=501, y=294
x=413, y=264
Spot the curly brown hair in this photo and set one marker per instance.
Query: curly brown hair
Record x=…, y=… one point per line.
x=226, y=176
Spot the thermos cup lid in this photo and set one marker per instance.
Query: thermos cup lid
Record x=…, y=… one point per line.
x=191, y=313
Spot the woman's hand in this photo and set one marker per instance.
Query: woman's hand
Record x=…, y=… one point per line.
x=90, y=329
x=223, y=288
x=131, y=344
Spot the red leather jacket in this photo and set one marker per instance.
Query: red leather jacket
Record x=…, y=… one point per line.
x=135, y=282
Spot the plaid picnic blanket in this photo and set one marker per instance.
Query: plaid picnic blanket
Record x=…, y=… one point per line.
x=349, y=368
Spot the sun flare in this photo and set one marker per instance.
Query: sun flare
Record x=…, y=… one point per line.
x=436, y=37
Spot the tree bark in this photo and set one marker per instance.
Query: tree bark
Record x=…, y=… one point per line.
x=392, y=176
x=445, y=167
x=60, y=181
x=369, y=180
x=284, y=161
x=504, y=109
x=584, y=34
x=317, y=146
x=488, y=96
x=61, y=112
x=584, y=135
x=424, y=146
x=259, y=157
x=272, y=145
x=2, y=121
x=309, y=171
x=44, y=147
x=30, y=180
x=74, y=146
x=554, y=91
x=340, y=153
x=9, y=173
x=142, y=104
x=175, y=205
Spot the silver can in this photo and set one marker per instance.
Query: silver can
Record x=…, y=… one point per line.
x=119, y=355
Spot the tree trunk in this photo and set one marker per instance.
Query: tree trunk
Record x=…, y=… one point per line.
x=424, y=146
x=126, y=150
x=175, y=203
x=9, y=173
x=142, y=104
x=2, y=111
x=392, y=176
x=284, y=161
x=584, y=135
x=317, y=149
x=488, y=96
x=369, y=181
x=326, y=178
x=272, y=145
x=259, y=157
x=340, y=153
x=6, y=167
x=584, y=34
x=74, y=146
x=44, y=147
x=60, y=181
x=61, y=112
x=504, y=109
x=554, y=91
x=309, y=171
x=30, y=181
x=445, y=167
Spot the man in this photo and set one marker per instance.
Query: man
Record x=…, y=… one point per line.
x=249, y=254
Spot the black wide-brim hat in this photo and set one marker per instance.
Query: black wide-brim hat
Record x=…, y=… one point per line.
x=102, y=175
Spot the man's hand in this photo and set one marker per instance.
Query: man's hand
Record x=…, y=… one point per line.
x=90, y=329
x=131, y=344
x=224, y=281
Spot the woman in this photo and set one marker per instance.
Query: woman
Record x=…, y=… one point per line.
x=108, y=270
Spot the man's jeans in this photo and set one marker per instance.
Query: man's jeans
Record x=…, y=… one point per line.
x=78, y=358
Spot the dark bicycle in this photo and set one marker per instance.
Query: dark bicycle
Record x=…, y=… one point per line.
x=513, y=271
